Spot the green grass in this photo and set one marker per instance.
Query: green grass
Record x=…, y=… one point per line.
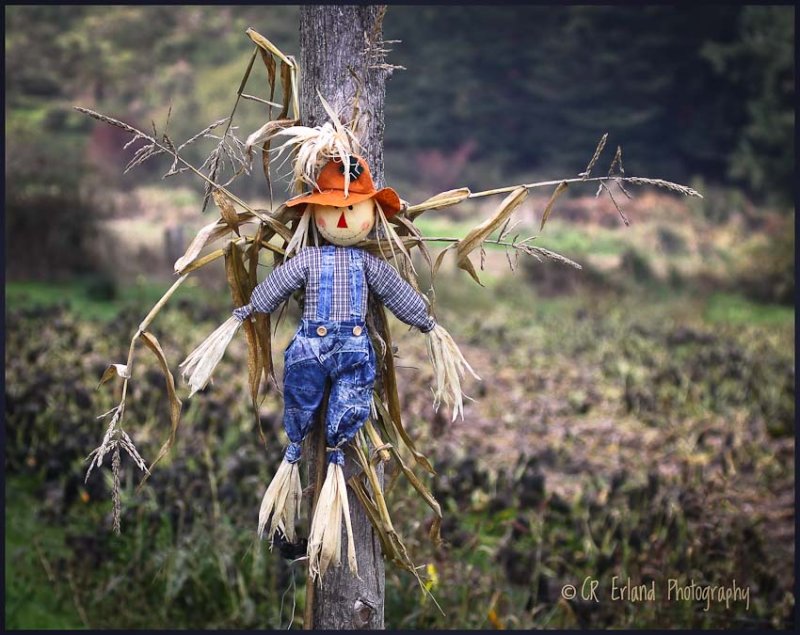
x=30, y=601
x=177, y=565
x=89, y=297
x=572, y=241
x=735, y=309
x=565, y=238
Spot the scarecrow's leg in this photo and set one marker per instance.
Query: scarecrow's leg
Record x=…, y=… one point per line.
x=348, y=409
x=303, y=390
x=348, y=413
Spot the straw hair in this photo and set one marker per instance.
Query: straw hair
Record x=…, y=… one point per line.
x=448, y=369
x=391, y=236
x=315, y=146
x=300, y=238
x=325, y=536
x=282, y=501
x=201, y=362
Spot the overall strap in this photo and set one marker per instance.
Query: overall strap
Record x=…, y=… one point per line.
x=326, y=283
x=356, y=274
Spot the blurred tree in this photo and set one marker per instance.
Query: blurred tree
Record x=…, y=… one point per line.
x=536, y=86
x=760, y=64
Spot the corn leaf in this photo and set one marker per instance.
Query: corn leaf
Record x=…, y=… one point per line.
x=392, y=431
x=440, y=257
x=411, y=229
x=286, y=87
x=227, y=210
x=466, y=264
x=357, y=485
x=481, y=232
x=263, y=43
x=114, y=370
x=269, y=64
x=174, y=403
x=238, y=283
x=443, y=199
x=560, y=189
x=429, y=498
x=208, y=234
x=392, y=398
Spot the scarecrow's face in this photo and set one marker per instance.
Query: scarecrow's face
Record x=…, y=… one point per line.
x=346, y=225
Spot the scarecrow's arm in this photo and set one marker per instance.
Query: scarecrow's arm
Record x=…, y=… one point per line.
x=278, y=285
x=398, y=296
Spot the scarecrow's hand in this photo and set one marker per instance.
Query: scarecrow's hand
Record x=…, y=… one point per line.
x=449, y=367
x=243, y=312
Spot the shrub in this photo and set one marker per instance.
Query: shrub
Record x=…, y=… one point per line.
x=766, y=271
x=50, y=222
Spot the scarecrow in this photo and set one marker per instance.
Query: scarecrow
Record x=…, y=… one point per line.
x=331, y=344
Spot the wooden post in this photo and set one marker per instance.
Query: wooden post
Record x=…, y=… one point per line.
x=338, y=58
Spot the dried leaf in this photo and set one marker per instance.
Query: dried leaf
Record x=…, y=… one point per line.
x=174, y=403
x=286, y=87
x=443, y=199
x=414, y=231
x=480, y=233
x=119, y=370
x=262, y=330
x=393, y=430
x=440, y=257
x=358, y=487
x=238, y=281
x=208, y=234
x=269, y=63
x=560, y=189
x=390, y=386
x=466, y=264
x=227, y=210
x=263, y=43
x=418, y=485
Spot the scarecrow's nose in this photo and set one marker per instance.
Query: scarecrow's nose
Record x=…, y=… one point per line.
x=342, y=222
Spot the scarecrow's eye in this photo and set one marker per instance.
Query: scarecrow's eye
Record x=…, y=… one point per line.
x=349, y=207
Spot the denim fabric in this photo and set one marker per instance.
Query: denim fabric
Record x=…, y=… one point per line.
x=339, y=356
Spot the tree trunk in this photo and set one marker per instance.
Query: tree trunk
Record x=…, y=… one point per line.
x=338, y=54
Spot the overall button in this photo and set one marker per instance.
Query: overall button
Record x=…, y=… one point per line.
x=322, y=331
x=357, y=330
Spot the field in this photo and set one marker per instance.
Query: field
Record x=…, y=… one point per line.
x=634, y=421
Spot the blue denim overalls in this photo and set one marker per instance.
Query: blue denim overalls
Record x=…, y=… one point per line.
x=323, y=350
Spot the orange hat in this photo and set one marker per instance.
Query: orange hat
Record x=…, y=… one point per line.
x=330, y=185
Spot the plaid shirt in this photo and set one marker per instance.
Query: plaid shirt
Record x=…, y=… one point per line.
x=304, y=271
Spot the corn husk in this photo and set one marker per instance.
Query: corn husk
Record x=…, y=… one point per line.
x=300, y=238
x=281, y=501
x=201, y=362
x=448, y=369
x=325, y=535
